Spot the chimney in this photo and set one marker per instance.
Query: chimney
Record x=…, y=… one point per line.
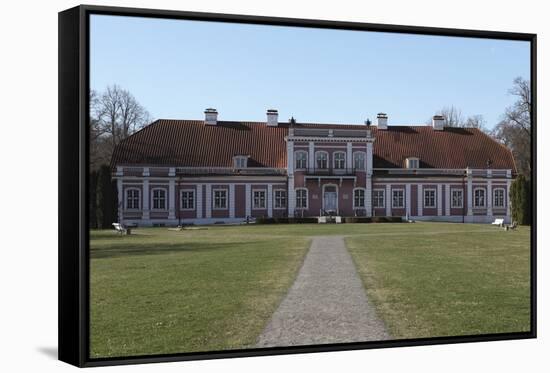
x=437, y=122
x=210, y=117
x=382, y=121
x=272, y=118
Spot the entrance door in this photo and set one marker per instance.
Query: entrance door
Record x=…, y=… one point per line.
x=329, y=198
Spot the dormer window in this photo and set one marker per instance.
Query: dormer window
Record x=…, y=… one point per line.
x=413, y=162
x=240, y=161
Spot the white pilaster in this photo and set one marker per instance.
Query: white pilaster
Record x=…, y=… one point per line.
x=198, y=203
x=269, y=200
x=145, y=203
x=489, y=197
x=208, y=201
x=419, y=200
x=439, y=199
x=248, y=204
x=448, y=199
x=388, y=200
x=349, y=156
x=172, y=199
x=231, y=200
x=368, y=196
x=120, y=200
x=469, y=192
x=368, y=182
x=291, y=197
x=507, y=196
x=408, y=200
x=311, y=155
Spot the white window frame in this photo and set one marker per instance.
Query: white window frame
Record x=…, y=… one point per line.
x=383, y=198
x=364, y=165
x=484, y=197
x=306, y=198
x=296, y=159
x=503, y=198
x=224, y=190
x=415, y=160
x=240, y=158
x=343, y=160
x=194, y=199
x=453, y=190
x=317, y=153
x=138, y=199
x=258, y=207
x=153, y=190
x=393, y=205
x=434, y=190
x=284, y=206
x=364, y=198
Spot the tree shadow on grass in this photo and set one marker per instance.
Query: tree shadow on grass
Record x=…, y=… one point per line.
x=167, y=248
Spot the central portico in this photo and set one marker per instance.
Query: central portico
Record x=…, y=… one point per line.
x=332, y=168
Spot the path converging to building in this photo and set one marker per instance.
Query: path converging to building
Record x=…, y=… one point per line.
x=326, y=304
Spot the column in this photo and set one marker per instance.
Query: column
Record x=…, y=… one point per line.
x=269, y=200
x=231, y=200
x=145, y=210
x=248, y=205
x=408, y=200
x=439, y=199
x=388, y=200
x=172, y=199
x=198, y=203
x=208, y=201
x=419, y=199
x=448, y=199
x=469, y=192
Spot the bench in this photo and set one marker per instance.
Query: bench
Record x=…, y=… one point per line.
x=120, y=228
x=499, y=222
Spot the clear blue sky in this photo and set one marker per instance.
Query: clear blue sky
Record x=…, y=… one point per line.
x=177, y=68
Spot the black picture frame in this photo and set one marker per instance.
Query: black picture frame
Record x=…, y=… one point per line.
x=73, y=254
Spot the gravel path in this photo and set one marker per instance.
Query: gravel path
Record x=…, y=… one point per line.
x=326, y=304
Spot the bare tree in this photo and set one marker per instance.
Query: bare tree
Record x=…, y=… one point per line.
x=114, y=115
x=475, y=121
x=453, y=116
x=514, y=130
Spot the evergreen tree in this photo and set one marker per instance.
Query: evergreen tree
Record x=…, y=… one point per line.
x=106, y=200
x=520, y=198
x=92, y=193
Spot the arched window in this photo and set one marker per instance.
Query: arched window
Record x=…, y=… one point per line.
x=358, y=198
x=339, y=160
x=359, y=160
x=301, y=198
x=321, y=159
x=159, y=199
x=301, y=159
x=479, y=197
x=132, y=198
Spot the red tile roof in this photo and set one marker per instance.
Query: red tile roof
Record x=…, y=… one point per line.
x=191, y=143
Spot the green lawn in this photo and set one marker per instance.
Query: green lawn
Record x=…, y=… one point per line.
x=438, y=281
x=159, y=291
